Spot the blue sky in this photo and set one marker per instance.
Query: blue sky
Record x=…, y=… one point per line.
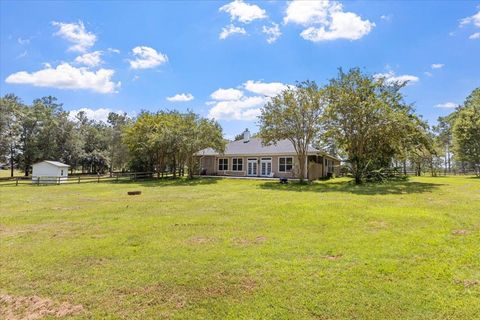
x=224, y=59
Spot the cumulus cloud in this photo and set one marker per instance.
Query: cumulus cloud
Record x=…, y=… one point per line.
x=437, y=66
x=326, y=20
x=235, y=104
x=267, y=89
x=100, y=114
x=447, y=105
x=181, y=97
x=91, y=59
x=229, y=30
x=472, y=20
x=227, y=94
x=147, y=58
x=391, y=78
x=65, y=76
x=243, y=12
x=76, y=34
x=273, y=32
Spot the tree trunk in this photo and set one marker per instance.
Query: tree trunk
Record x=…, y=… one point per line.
x=301, y=160
x=11, y=163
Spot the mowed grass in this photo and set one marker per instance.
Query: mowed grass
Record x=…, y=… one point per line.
x=245, y=249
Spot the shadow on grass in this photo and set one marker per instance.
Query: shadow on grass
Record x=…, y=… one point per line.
x=178, y=182
x=392, y=187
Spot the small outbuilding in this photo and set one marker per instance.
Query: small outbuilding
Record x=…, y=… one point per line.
x=49, y=172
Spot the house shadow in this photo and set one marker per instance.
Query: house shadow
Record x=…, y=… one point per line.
x=391, y=187
x=177, y=182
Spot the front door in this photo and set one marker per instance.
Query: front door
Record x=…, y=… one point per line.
x=251, y=167
x=266, y=167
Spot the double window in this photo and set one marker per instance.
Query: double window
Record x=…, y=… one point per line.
x=285, y=164
x=237, y=164
x=222, y=164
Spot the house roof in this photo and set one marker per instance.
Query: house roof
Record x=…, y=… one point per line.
x=254, y=147
x=55, y=163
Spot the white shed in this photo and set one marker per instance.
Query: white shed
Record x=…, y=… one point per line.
x=49, y=172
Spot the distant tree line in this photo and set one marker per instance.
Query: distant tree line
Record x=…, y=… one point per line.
x=360, y=118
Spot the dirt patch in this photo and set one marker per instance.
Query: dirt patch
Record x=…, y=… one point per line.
x=460, y=232
x=33, y=307
x=377, y=225
x=247, y=242
x=333, y=257
x=467, y=282
x=201, y=240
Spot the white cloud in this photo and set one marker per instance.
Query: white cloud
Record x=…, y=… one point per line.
x=227, y=94
x=229, y=30
x=100, y=114
x=437, y=66
x=447, y=105
x=23, y=41
x=391, y=78
x=243, y=12
x=474, y=20
x=90, y=59
x=181, y=97
x=136, y=78
x=113, y=50
x=76, y=34
x=22, y=55
x=65, y=76
x=246, y=108
x=267, y=89
x=474, y=36
x=147, y=58
x=272, y=32
x=326, y=20
x=386, y=17
x=429, y=74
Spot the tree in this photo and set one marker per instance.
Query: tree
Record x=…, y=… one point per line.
x=11, y=110
x=118, y=150
x=368, y=119
x=466, y=131
x=294, y=115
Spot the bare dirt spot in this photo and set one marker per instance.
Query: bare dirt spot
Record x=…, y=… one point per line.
x=201, y=240
x=460, y=232
x=33, y=307
x=377, y=225
x=467, y=282
x=247, y=242
x=333, y=257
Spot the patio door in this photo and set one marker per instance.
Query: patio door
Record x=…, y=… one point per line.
x=251, y=167
x=266, y=167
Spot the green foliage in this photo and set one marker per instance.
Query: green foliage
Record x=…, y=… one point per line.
x=295, y=115
x=466, y=131
x=369, y=120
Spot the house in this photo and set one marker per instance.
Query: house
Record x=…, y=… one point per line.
x=49, y=172
x=248, y=157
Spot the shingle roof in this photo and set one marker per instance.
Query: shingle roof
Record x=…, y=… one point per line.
x=254, y=146
x=55, y=163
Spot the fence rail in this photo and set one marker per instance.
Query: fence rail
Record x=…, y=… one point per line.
x=115, y=177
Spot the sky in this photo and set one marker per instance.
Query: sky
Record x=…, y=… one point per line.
x=224, y=59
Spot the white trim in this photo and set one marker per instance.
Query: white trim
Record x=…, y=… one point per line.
x=255, y=160
x=237, y=164
x=218, y=164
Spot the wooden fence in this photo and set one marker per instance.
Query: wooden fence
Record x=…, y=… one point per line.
x=115, y=177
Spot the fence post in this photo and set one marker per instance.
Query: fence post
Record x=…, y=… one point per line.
x=38, y=181
x=117, y=178
x=58, y=180
x=78, y=179
x=135, y=176
x=17, y=182
x=98, y=180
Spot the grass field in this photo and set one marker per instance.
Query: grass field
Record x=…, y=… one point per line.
x=242, y=249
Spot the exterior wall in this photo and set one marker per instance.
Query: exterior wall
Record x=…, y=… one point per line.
x=209, y=166
x=48, y=173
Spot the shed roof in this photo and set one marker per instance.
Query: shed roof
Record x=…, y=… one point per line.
x=254, y=147
x=55, y=163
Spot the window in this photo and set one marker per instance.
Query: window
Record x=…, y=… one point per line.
x=222, y=164
x=285, y=164
x=61, y=172
x=237, y=164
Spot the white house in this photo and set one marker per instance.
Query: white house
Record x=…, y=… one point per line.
x=49, y=172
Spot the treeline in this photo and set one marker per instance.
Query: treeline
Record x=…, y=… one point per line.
x=360, y=118
x=153, y=142
x=366, y=121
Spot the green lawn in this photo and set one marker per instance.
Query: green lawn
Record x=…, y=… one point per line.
x=243, y=249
